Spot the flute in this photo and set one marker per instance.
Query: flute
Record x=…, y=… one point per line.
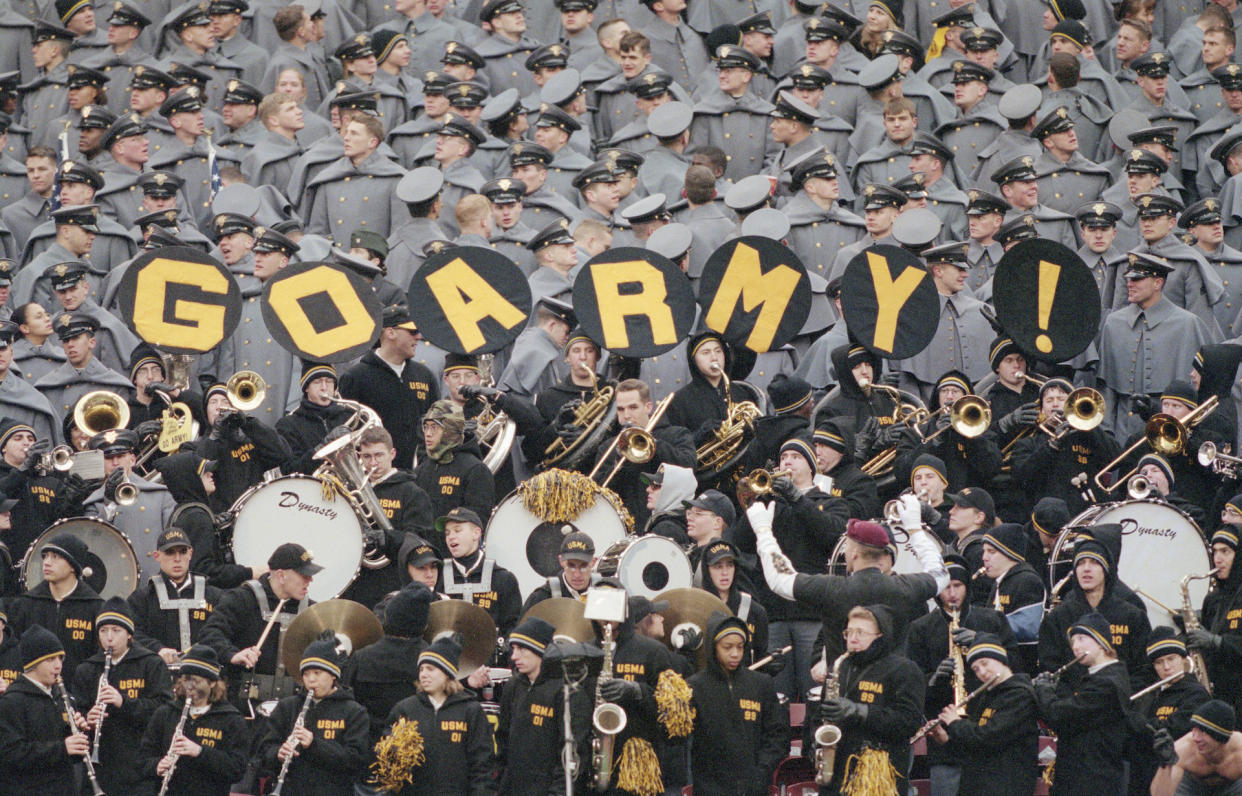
x=90, y=767
x=958, y=705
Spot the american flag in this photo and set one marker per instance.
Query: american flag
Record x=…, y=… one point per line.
x=213, y=167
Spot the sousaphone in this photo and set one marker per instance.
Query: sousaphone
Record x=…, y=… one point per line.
x=354, y=625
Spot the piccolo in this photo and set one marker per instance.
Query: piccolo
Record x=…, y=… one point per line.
x=931, y=725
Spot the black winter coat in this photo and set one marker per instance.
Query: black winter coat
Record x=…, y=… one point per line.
x=408, y=509
x=457, y=741
x=1222, y=614
x=72, y=619
x=382, y=674
x=1045, y=471
x=400, y=402
x=305, y=429
x=1090, y=722
x=236, y=624
x=1171, y=708
x=1130, y=628
x=503, y=601
x=464, y=481
x=224, y=736
x=833, y=596
x=335, y=758
x=157, y=628
x=33, y=728
x=194, y=516
x=998, y=742
x=530, y=736
x=240, y=465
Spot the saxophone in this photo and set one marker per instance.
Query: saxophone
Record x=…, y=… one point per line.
x=827, y=736
x=1191, y=620
x=959, y=661
x=608, y=718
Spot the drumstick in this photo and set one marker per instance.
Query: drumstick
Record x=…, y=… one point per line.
x=270, y=623
x=759, y=664
x=1157, y=602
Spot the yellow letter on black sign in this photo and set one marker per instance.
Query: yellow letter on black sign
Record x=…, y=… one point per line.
x=649, y=302
x=467, y=298
x=891, y=295
x=745, y=282
x=204, y=323
x=287, y=293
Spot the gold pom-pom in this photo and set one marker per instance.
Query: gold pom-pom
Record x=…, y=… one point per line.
x=558, y=496
x=396, y=755
x=639, y=769
x=674, y=711
x=869, y=773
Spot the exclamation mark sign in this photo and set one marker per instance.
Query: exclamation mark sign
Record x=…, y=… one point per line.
x=1049, y=273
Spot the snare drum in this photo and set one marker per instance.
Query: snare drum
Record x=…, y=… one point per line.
x=1159, y=544
x=110, y=568
x=293, y=509
x=647, y=565
x=528, y=547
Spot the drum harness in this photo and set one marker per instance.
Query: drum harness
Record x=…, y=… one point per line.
x=183, y=605
x=467, y=590
x=268, y=684
x=557, y=587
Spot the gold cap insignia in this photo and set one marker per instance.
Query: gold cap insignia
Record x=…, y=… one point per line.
x=869, y=190
x=504, y=184
x=977, y=32
x=1028, y=161
x=1098, y=208
x=1233, y=69
x=959, y=66
x=1145, y=201
x=65, y=319
x=972, y=195
x=361, y=38
x=517, y=149
x=555, y=49
x=110, y=436
x=66, y=167
x=159, y=179
x=260, y=232
x=464, y=90
x=451, y=47
x=1210, y=204
x=1029, y=220
x=192, y=91
x=232, y=85
x=61, y=269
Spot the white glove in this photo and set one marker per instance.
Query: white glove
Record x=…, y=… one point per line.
x=760, y=515
x=911, y=513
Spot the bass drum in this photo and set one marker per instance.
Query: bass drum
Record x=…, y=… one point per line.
x=110, y=568
x=646, y=565
x=1159, y=544
x=906, y=563
x=294, y=509
x=528, y=547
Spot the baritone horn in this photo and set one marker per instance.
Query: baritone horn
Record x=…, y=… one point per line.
x=969, y=416
x=246, y=390
x=100, y=411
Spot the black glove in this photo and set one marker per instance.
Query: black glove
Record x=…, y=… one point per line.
x=73, y=489
x=1044, y=678
x=1024, y=415
x=335, y=434
x=567, y=411
x=963, y=637
x=110, y=483
x=619, y=690
x=842, y=711
x=943, y=671
x=159, y=386
x=891, y=379
x=1045, y=693
x=943, y=421
x=1163, y=745
x=223, y=520
x=34, y=454
x=774, y=666
x=148, y=428
x=930, y=516
x=705, y=432
x=568, y=433
x=1143, y=406
x=478, y=391
x=1202, y=639
x=784, y=488
x=1058, y=435
x=688, y=639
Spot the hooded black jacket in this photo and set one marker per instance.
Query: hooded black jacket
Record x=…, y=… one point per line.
x=739, y=730
x=892, y=688
x=1222, y=614
x=530, y=735
x=400, y=402
x=240, y=465
x=848, y=399
x=1089, y=718
x=463, y=481
x=408, y=509
x=194, y=516
x=1130, y=628
x=72, y=619
x=1045, y=471
x=1171, y=708
x=337, y=755
x=997, y=744
x=851, y=484
x=457, y=742
x=33, y=729
x=38, y=506
x=699, y=403
x=224, y=736
x=382, y=674
x=305, y=429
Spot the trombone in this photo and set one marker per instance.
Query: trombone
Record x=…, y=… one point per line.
x=1165, y=434
x=637, y=445
x=1029, y=378
x=969, y=416
x=1221, y=463
x=1083, y=411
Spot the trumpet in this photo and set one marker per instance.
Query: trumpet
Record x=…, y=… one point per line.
x=761, y=480
x=969, y=416
x=892, y=510
x=246, y=390
x=1165, y=434
x=1138, y=487
x=909, y=412
x=1219, y=462
x=59, y=459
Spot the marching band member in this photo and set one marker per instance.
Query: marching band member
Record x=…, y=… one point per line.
x=790, y=400
x=1161, y=483
x=457, y=737
x=146, y=372
x=122, y=705
x=1017, y=591
x=579, y=362
x=1094, y=590
x=721, y=572
x=323, y=735
x=1043, y=526
x=834, y=456
x=211, y=749
x=37, y=750
x=700, y=405
x=62, y=602
x=929, y=480
x=968, y=460
x=10, y=654
x=234, y=628
x=1169, y=707
x=739, y=730
x=668, y=490
x=308, y=427
x=708, y=516
x=577, y=559
x=1089, y=715
x=38, y=498
x=243, y=448
x=453, y=475
x=972, y=515
x=471, y=576
x=1219, y=638
x=169, y=613
x=1207, y=760
x=419, y=561
x=928, y=645
x=192, y=481
x=997, y=740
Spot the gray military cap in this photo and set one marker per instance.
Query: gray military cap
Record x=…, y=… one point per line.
x=670, y=120
x=561, y=87
x=916, y=228
x=420, y=185
x=671, y=240
x=767, y=222
x=1020, y=101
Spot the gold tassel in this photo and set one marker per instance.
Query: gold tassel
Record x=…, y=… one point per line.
x=638, y=771
x=869, y=773
x=562, y=496
x=672, y=696
x=1049, y=774
x=396, y=755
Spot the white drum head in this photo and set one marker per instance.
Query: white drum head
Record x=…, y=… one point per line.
x=528, y=547
x=110, y=568
x=653, y=564
x=293, y=509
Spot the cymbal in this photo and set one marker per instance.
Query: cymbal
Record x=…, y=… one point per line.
x=475, y=625
x=343, y=617
x=694, y=606
x=564, y=614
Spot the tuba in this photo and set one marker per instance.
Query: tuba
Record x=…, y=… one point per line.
x=342, y=469
x=494, y=430
x=593, y=416
x=827, y=736
x=731, y=439
x=99, y=411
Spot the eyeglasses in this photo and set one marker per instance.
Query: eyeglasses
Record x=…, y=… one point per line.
x=854, y=632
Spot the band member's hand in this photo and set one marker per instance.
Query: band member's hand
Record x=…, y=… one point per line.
x=78, y=745
x=939, y=735
x=479, y=678
x=34, y=454
x=469, y=391
x=110, y=695
x=80, y=721
x=1058, y=435
x=784, y=488
x=928, y=514
x=1143, y=406
x=943, y=671
x=892, y=378
x=246, y=658
x=94, y=715
x=149, y=428
x=761, y=516
x=947, y=716
x=184, y=746
x=287, y=750
x=619, y=690
x=303, y=736
x=4, y=685
x=1043, y=678
x=169, y=655
x=776, y=665
x=1202, y=639
x=910, y=512
x=964, y=637
x=159, y=386
x=687, y=638
x=1164, y=747
x=705, y=433
x=819, y=672
x=161, y=768
x=842, y=711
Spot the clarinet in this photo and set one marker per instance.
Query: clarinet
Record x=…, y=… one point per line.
x=90, y=767
x=284, y=767
x=185, y=712
x=103, y=680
